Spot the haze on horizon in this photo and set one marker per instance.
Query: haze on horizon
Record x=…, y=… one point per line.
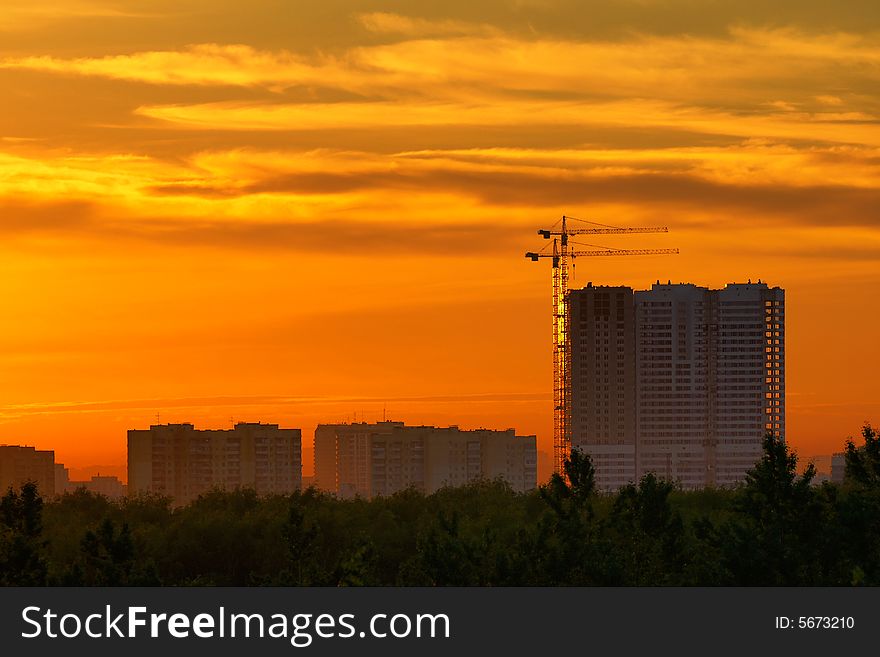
x=294, y=212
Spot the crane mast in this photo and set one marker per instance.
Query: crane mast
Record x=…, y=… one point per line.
x=560, y=255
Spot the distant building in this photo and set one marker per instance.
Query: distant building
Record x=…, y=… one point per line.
x=182, y=462
x=545, y=465
x=838, y=467
x=62, y=478
x=341, y=453
x=20, y=465
x=368, y=460
x=109, y=487
x=821, y=462
x=678, y=380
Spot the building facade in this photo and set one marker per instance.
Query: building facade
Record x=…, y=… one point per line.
x=20, y=465
x=369, y=460
x=182, y=462
x=602, y=338
x=838, y=467
x=684, y=386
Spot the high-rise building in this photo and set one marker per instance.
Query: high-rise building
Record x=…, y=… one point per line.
x=182, y=462
x=20, y=465
x=603, y=422
x=367, y=460
x=678, y=380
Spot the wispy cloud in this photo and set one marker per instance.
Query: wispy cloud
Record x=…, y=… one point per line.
x=203, y=64
x=17, y=15
x=745, y=68
x=413, y=27
x=255, y=401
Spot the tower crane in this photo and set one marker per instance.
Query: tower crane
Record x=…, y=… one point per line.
x=560, y=255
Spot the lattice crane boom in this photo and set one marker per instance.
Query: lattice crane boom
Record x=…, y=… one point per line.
x=561, y=344
x=604, y=252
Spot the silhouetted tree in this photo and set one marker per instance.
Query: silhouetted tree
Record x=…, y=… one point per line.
x=358, y=565
x=777, y=535
x=863, y=463
x=108, y=555
x=302, y=536
x=648, y=534
x=860, y=507
x=568, y=542
x=21, y=544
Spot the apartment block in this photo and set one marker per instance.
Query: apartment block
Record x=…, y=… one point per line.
x=679, y=380
x=20, y=465
x=369, y=460
x=182, y=462
x=603, y=422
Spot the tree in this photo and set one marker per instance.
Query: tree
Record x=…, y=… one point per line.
x=21, y=546
x=777, y=536
x=572, y=493
x=302, y=536
x=863, y=463
x=568, y=546
x=107, y=556
x=648, y=533
x=860, y=507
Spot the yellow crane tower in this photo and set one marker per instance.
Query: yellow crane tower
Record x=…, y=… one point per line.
x=560, y=255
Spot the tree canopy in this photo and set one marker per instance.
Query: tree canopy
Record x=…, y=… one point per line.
x=777, y=528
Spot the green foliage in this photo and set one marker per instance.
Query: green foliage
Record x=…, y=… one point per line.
x=860, y=507
x=21, y=549
x=775, y=529
x=776, y=535
x=863, y=463
x=568, y=545
x=649, y=533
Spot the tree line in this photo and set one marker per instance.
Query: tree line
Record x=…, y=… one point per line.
x=776, y=529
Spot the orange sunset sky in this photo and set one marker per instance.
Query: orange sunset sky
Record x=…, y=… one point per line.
x=294, y=212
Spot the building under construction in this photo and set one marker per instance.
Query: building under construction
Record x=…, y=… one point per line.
x=564, y=248
x=679, y=380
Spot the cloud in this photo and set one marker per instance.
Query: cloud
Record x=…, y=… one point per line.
x=65, y=407
x=428, y=202
x=758, y=143
x=435, y=64
x=17, y=16
x=413, y=237
x=683, y=190
x=407, y=26
x=202, y=64
x=378, y=116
